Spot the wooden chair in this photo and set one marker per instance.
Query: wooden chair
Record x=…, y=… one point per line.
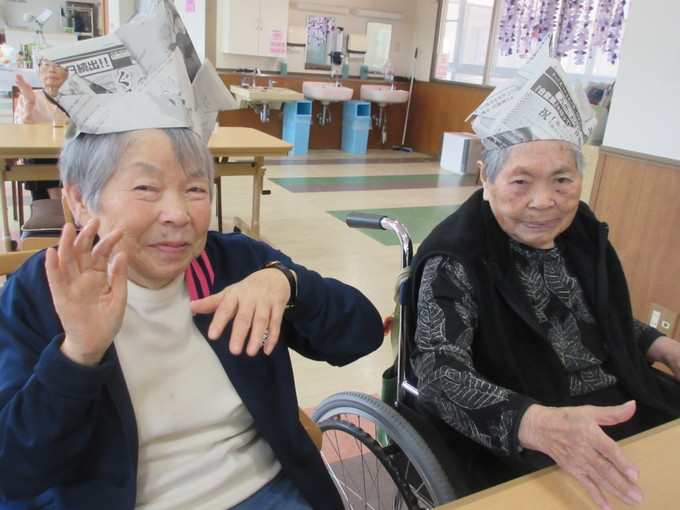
x=45, y=171
x=43, y=229
x=17, y=197
x=312, y=428
x=17, y=191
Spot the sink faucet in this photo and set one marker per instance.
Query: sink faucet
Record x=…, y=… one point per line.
x=389, y=75
x=256, y=72
x=271, y=84
x=335, y=74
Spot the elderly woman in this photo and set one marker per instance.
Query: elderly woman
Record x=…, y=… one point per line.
x=41, y=107
x=144, y=362
x=525, y=343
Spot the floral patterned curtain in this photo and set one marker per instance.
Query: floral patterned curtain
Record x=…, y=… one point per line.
x=578, y=26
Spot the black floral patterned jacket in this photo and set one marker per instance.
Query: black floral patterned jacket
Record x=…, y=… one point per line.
x=499, y=326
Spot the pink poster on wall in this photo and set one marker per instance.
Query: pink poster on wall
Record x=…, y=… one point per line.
x=277, y=43
x=190, y=6
x=442, y=66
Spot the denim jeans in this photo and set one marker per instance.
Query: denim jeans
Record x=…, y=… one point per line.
x=279, y=494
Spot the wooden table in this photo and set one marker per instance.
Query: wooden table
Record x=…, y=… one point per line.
x=655, y=452
x=44, y=141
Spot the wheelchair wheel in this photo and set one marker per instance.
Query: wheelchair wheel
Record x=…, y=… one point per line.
x=376, y=457
x=363, y=472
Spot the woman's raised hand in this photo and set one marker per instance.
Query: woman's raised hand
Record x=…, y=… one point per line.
x=25, y=89
x=89, y=294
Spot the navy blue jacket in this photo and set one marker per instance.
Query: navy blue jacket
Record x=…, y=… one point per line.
x=68, y=435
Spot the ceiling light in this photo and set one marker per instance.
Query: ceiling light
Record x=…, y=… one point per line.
x=370, y=13
x=306, y=6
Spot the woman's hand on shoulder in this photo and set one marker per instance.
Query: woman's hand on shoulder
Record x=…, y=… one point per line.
x=255, y=304
x=88, y=294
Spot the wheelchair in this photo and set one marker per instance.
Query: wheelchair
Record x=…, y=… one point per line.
x=381, y=453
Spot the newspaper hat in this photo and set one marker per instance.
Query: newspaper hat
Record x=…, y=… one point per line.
x=145, y=75
x=539, y=103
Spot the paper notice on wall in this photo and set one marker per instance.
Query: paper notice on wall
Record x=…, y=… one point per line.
x=442, y=66
x=277, y=43
x=190, y=6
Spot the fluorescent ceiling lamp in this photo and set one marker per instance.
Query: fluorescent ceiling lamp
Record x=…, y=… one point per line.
x=306, y=6
x=369, y=13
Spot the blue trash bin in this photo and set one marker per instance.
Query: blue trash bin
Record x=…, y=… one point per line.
x=356, y=122
x=297, y=117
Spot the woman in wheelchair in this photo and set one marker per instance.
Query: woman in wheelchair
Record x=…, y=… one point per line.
x=525, y=343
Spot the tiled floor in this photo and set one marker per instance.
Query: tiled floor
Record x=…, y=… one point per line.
x=303, y=216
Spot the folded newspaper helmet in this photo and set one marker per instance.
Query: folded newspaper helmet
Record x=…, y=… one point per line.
x=145, y=75
x=539, y=103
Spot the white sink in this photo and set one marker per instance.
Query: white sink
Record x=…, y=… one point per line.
x=326, y=92
x=383, y=94
x=273, y=96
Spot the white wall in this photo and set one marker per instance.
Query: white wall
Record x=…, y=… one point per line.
x=423, y=36
x=401, y=52
x=120, y=12
x=195, y=23
x=16, y=37
x=645, y=111
x=12, y=13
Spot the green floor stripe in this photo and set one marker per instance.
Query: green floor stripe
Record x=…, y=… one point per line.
x=296, y=181
x=419, y=221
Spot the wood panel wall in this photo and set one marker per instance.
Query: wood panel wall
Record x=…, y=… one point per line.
x=637, y=196
x=436, y=108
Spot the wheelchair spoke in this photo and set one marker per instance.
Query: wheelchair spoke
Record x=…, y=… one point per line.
x=394, y=452
x=364, y=476
x=367, y=479
x=376, y=458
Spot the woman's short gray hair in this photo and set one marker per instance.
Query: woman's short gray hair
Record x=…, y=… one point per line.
x=494, y=159
x=88, y=161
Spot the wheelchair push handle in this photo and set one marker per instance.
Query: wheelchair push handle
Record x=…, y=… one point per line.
x=383, y=222
x=363, y=220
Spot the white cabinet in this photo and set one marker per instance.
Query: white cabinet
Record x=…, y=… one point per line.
x=249, y=27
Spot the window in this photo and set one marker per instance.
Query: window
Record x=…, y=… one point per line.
x=469, y=48
x=463, y=40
